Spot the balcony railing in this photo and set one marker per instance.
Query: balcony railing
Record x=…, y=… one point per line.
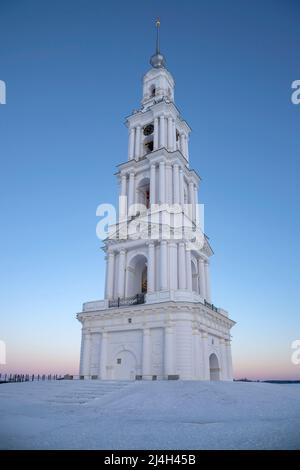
x=127, y=301
x=211, y=306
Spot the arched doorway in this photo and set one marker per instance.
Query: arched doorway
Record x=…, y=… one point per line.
x=124, y=367
x=137, y=276
x=214, y=367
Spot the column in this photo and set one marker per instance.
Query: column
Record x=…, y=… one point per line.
x=169, y=187
x=181, y=266
x=110, y=275
x=197, y=354
x=191, y=199
x=123, y=198
x=85, y=354
x=146, y=353
x=152, y=183
x=123, y=184
x=137, y=142
x=201, y=274
x=95, y=353
x=189, y=284
x=186, y=146
x=121, y=272
x=207, y=281
x=162, y=183
x=168, y=351
x=176, y=183
x=224, y=372
x=173, y=265
x=182, y=143
x=174, y=134
x=181, y=186
x=103, y=356
x=151, y=268
x=197, y=215
x=131, y=200
x=131, y=143
x=155, y=137
x=163, y=265
x=81, y=353
x=229, y=360
x=162, y=131
x=206, y=370
x=170, y=134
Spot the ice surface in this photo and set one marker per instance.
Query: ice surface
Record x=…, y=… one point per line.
x=149, y=415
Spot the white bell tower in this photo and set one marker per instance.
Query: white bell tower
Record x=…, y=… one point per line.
x=157, y=320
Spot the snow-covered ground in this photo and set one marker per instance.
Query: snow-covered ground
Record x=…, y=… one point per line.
x=149, y=415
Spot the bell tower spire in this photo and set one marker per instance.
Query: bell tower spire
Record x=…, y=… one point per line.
x=157, y=24
x=157, y=60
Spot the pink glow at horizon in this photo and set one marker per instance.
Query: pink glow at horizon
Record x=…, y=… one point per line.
x=45, y=364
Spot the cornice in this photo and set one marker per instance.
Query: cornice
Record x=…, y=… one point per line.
x=163, y=307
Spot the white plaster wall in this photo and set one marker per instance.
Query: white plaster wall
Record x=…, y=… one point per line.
x=124, y=341
x=95, y=353
x=157, y=344
x=184, y=349
x=189, y=345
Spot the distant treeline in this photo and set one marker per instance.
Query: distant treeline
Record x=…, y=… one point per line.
x=269, y=381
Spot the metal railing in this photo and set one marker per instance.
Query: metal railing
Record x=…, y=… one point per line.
x=211, y=306
x=127, y=301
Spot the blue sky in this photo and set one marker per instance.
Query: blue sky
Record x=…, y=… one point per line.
x=73, y=72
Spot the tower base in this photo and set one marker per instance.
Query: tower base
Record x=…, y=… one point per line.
x=167, y=340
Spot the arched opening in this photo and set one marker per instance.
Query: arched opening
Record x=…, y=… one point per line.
x=148, y=144
x=177, y=139
x=143, y=190
x=137, y=276
x=125, y=365
x=152, y=91
x=144, y=280
x=194, y=277
x=214, y=368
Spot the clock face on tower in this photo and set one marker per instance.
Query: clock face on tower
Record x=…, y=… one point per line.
x=148, y=130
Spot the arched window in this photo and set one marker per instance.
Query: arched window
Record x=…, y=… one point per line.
x=144, y=192
x=152, y=91
x=149, y=146
x=136, y=276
